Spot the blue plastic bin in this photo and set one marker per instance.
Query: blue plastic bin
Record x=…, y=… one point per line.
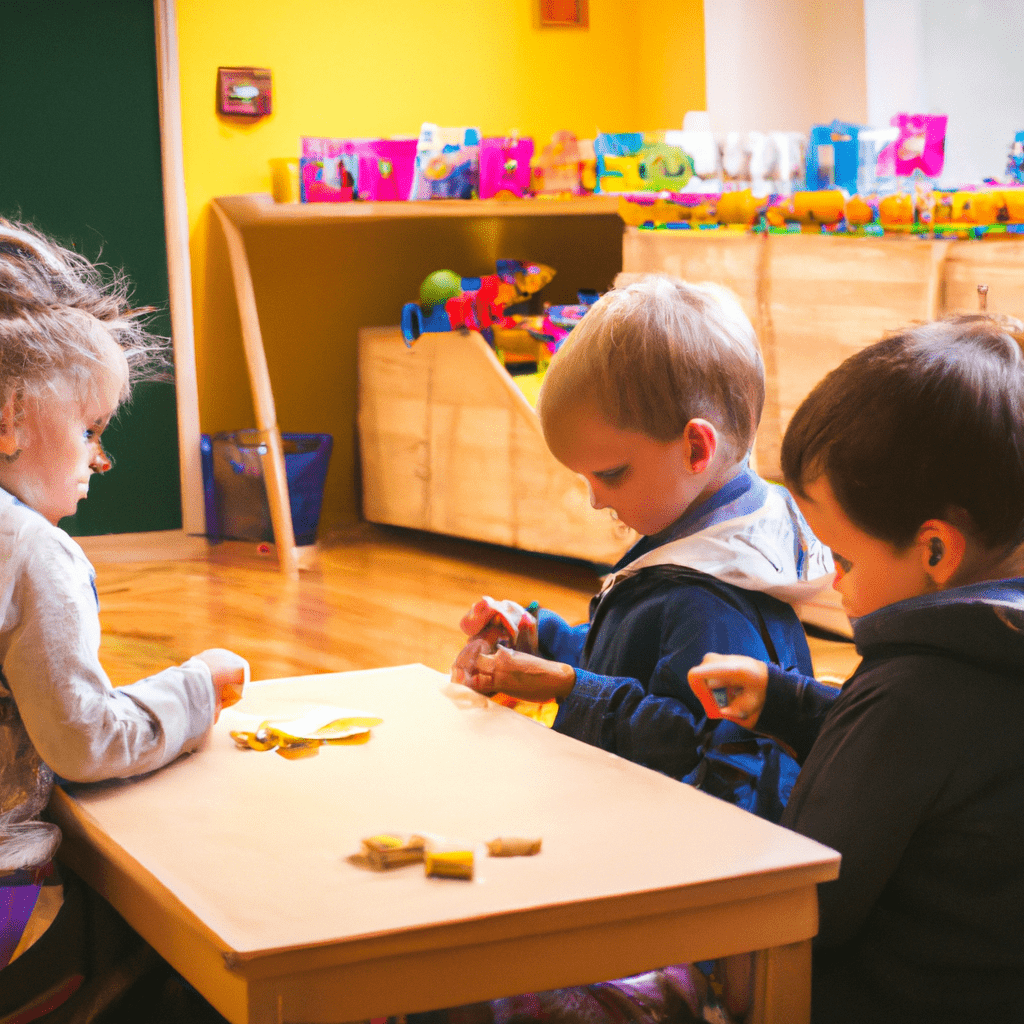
x=236, y=493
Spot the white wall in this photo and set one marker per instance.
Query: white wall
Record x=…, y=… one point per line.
x=784, y=64
x=963, y=58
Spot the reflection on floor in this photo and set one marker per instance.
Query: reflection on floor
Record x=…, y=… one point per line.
x=374, y=597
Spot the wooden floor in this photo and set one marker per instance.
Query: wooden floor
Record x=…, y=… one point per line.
x=374, y=597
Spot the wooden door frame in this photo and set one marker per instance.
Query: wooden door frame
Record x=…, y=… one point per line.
x=179, y=268
x=190, y=540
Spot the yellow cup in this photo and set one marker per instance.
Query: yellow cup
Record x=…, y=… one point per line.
x=284, y=179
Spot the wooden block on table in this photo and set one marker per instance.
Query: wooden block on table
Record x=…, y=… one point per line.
x=450, y=444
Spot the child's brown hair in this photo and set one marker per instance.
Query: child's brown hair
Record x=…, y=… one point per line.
x=657, y=352
x=925, y=424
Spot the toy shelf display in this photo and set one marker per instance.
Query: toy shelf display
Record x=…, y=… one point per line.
x=920, y=210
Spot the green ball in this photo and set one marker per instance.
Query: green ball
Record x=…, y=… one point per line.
x=440, y=286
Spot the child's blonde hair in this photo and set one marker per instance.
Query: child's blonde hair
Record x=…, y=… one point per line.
x=657, y=352
x=55, y=308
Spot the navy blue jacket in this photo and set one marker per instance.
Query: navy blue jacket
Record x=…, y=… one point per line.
x=914, y=772
x=631, y=695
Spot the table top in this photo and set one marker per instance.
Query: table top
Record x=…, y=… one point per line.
x=249, y=852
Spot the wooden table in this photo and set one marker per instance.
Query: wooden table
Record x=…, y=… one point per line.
x=234, y=864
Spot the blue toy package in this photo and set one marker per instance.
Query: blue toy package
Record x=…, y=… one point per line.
x=833, y=155
x=447, y=163
x=1015, y=163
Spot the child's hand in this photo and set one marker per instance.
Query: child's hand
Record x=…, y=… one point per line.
x=505, y=621
x=230, y=673
x=520, y=675
x=731, y=686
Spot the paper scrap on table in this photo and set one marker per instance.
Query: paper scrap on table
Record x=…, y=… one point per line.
x=303, y=735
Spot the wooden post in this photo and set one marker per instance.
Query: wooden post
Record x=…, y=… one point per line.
x=262, y=397
x=935, y=298
x=179, y=273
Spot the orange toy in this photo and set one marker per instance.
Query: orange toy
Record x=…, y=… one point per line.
x=976, y=207
x=1013, y=201
x=858, y=211
x=896, y=210
x=739, y=207
x=825, y=207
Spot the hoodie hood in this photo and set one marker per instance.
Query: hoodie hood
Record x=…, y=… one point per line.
x=982, y=623
x=756, y=541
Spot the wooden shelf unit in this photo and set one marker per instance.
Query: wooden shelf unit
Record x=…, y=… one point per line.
x=308, y=277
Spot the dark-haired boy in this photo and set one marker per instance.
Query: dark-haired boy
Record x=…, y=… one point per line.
x=907, y=461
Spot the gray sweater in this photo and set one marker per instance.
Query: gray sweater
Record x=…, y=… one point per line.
x=59, y=713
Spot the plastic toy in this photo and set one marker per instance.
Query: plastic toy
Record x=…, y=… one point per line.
x=825, y=207
x=478, y=305
x=447, y=163
x=740, y=207
x=558, y=321
x=897, y=209
x=919, y=146
x=505, y=167
x=556, y=169
x=832, y=156
x=1015, y=161
x=631, y=162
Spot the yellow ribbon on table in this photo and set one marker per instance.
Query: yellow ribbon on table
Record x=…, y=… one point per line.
x=303, y=737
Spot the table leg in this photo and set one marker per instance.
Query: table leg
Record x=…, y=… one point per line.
x=782, y=987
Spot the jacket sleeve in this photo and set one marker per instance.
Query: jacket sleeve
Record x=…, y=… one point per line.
x=82, y=727
x=879, y=764
x=558, y=640
x=657, y=722
x=795, y=707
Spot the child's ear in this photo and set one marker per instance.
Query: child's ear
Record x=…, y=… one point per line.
x=702, y=439
x=8, y=430
x=941, y=547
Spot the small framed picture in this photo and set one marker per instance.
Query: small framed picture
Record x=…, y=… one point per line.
x=566, y=13
x=245, y=92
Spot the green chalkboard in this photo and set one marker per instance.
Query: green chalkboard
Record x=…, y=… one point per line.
x=80, y=159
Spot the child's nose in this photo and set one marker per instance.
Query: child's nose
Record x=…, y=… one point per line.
x=100, y=461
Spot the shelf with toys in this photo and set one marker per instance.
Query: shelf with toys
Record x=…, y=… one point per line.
x=814, y=293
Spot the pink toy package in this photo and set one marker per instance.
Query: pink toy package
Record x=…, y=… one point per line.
x=329, y=170
x=370, y=169
x=505, y=167
x=386, y=169
x=920, y=145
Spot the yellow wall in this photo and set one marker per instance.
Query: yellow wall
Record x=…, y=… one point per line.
x=357, y=68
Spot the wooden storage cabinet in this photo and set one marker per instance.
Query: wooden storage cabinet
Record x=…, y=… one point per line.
x=449, y=443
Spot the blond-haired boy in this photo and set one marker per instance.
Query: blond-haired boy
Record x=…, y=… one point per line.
x=654, y=400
